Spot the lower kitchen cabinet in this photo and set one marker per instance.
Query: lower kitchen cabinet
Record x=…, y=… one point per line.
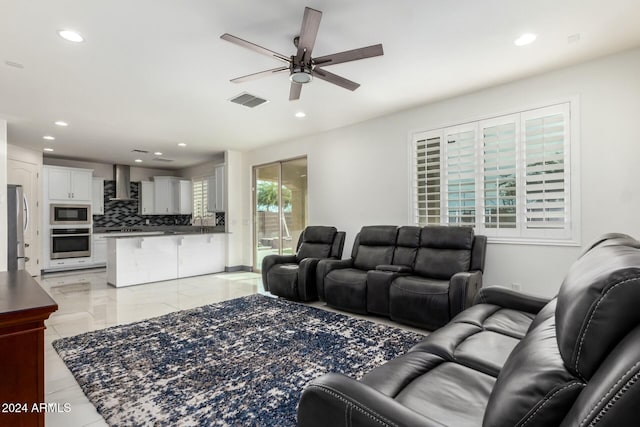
x=99, y=249
x=201, y=254
x=134, y=260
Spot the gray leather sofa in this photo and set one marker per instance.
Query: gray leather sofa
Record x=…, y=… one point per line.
x=422, y=276
x=511, y=360
x=294, y=276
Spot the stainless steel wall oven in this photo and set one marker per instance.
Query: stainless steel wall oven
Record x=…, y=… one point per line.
x=70, y=243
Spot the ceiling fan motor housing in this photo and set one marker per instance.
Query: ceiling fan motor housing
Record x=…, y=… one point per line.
x=300, y=74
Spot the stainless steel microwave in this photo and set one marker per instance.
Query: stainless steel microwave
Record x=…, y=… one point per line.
x=70, y=214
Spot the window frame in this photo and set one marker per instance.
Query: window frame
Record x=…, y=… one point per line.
x=570, y=236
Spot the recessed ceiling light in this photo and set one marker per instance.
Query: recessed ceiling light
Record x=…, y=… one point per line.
x=157, y=153
x=61, y=123
x=182, y=144
x=48, y=137
x=71, y=36
x=138, y=160
x=525, y=39
x=300, y=114
x=48, y=149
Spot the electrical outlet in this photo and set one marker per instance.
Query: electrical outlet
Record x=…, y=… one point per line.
x=516, y=286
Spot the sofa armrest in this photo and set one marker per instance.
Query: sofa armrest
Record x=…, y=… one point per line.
x=463, y=288
x=269, y=261
x=324, y=267
x=395, y=268
x=337, y=400
x=508, y=298
x=307, y=290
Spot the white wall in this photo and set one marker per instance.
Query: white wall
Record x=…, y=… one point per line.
x=105, y=170
x=359, y=175
x=203, y=169
x=3, y=195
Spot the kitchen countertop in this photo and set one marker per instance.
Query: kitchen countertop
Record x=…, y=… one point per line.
x=160, y=230
x=133, y=235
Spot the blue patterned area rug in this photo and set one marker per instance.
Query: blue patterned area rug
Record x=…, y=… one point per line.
x=240, y=362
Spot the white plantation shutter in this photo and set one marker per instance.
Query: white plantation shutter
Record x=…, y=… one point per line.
x=546, y=139
x=460, y=175
x=200, y=192
x=427, y=178
x=500, y=186
x=509, y=176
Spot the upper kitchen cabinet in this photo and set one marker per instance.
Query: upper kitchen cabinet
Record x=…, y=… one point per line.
x=164, y=195
x=97, y=196
x=172, y=196
x=215, y=188
x=147, y=198
x=185, y=197
x=69, y=184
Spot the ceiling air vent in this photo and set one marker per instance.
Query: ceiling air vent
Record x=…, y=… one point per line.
x=135, y=150
x=248, y=100
x=162, y=159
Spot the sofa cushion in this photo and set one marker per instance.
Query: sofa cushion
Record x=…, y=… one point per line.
x=533, y=388
x=441, y=263
x=598, y=304
x=419, y=301
x=443, y=237
x=441, y=393
x=316, y=242
x=407, y=245
x=346, y=288
x=480, y=339
x=378, y=235
x=283, y=279
x=313, y=250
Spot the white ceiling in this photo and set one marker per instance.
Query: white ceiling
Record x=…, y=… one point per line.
x=153, y=73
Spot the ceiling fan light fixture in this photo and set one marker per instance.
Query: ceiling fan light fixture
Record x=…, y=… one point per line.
x=300, y=75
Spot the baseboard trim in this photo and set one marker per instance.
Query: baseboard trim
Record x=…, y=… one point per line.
x=235, y=268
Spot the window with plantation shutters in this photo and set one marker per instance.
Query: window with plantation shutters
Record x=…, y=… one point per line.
x=200, y=193
x=508, y=176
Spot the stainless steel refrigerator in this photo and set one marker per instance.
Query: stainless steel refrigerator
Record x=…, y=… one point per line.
x=16, y=225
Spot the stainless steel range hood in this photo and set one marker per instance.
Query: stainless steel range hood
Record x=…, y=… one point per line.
x=122, y=173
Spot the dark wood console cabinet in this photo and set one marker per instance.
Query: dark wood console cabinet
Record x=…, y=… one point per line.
x=24, y=306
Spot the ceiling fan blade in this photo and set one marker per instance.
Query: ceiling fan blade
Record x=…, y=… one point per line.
x=335, y=79
x=294, y=92
x=259, y=75
x=254, y=47
x=349, y=55
x=308, y=33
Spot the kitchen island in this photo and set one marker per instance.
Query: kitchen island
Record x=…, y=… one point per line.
x=134, y=259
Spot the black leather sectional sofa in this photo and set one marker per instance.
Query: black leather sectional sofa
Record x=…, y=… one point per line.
x=422, y=276
x=511, y=360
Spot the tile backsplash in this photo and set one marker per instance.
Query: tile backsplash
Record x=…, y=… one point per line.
x=124, y=213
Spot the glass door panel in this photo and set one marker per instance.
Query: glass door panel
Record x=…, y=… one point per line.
x=294, y=203
x=280, y=208
x=267, y=212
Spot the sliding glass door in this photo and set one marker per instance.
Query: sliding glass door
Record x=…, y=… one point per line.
x=280, y=207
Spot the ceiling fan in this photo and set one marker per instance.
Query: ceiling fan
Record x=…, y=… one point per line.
x=301, y=66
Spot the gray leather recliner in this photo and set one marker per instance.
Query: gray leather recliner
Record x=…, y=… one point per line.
x=294, y=276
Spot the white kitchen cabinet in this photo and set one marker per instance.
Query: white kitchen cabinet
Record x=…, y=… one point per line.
x=216, y=190
x=68, y=183
x=147, y=198
x=97, y=196
x=185, y=197
x=201, y=254
x=142, y=259
x=99, y=249
x=164, y=190
x=69, y=263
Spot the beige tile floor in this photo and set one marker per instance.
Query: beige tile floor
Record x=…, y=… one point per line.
x=86, y=303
